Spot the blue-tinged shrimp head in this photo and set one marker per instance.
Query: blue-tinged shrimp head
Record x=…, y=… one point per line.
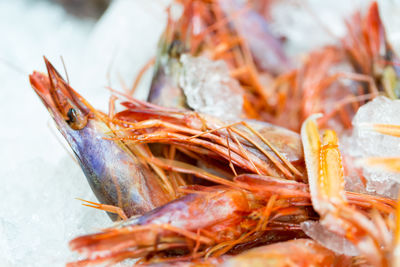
x=114, y=173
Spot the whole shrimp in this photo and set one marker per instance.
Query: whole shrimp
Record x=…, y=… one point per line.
x=117, y=175
x=214, y=217
x=211, y=221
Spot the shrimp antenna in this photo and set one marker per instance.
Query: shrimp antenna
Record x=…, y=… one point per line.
x=65, y=69
x=61, y=142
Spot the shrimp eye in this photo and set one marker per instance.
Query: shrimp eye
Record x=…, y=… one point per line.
x=71, y=114
x=175, y=48
x=75, y=119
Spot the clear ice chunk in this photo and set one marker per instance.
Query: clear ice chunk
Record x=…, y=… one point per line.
x=210, y=89
x=365, y=142
x=328, y=239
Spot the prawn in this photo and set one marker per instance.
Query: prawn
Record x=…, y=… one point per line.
x=211, y=221
x=316, y=87
x=249, y=145
x=118, y=176
x=369, y=51
x=369, y=232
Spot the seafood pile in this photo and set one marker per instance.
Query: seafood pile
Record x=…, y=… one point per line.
x=235, y=158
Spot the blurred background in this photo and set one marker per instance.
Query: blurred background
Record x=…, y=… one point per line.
x=103, y=43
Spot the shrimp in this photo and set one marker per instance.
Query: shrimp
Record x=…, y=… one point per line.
x=209, y=221
x=370, y=52
x=117, y=175
x=369, y=232
x=316, y=87
x=214, y=218
x=179, y=37
x=253, y=146
x=164, y=88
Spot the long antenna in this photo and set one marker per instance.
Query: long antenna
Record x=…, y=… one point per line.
x=65, y=69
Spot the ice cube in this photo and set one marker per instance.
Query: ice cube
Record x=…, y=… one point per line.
x=365, y=142
x=210, y=89
x=328, y=239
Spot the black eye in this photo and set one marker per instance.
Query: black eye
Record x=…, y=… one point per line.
x=175, y=48
x=71, y=115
